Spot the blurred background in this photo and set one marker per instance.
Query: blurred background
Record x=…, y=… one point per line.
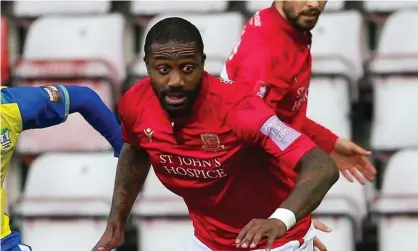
x=364, y=87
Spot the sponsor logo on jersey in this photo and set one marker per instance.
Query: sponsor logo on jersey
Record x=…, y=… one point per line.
x=148, y=132
x=5, y=138
x=53, y=94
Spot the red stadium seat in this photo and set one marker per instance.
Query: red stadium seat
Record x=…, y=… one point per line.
x=5, y=68
x=73, y=50
x=66, y=200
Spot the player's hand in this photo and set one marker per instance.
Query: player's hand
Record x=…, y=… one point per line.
x=318, y=245
x=112, y=237
x=257, y=229
x=352, y=159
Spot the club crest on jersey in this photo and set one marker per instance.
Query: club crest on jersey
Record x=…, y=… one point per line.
x=211, y=142
x=5, y=138
x=53, y=94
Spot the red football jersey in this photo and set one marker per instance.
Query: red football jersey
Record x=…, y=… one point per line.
x=232, y=161
x=273, y=58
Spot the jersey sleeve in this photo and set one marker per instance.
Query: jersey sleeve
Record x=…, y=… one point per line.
x=323, y=137
x=256, y=123
x=40, y=107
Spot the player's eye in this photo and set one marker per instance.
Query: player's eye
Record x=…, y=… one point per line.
x=163, y=70
x=188, y=68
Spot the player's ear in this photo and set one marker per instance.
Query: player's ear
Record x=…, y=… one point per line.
x=203, y=59
x=146, y=63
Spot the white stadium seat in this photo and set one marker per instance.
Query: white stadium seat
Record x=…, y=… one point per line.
x=343, y=209
x=74, y=50
x=398, y=200
x=336, y=68
x=389, y=6
x=220, y=32
x=81, y=38
x=256, y=5
x=146, y=7
x=66, y=200
x=159, y=212
x=394, y=73
x=24, y=8
x=336, y=52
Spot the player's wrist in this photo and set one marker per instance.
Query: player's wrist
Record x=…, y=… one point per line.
x=286, y=216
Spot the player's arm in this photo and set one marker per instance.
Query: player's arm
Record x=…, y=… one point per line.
x=254, y=122
x=46, y=106
x=85, y=101
x=317, y=173
x=322, y=136
x=132, y=170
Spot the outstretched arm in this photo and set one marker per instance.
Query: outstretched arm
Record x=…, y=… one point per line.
x=46, y=106
x=132, y=170
x=317, y=174
x=254, y=122
x=86, y=102
x=323, y=137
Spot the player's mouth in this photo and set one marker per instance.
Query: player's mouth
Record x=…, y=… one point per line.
x=310, y=17
x=175, y=99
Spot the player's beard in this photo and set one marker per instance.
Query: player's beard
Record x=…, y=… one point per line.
x=176, y=111
x=295, y=19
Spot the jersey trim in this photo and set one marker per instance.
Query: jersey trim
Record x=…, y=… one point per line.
x=67, y=102
x=5, y=99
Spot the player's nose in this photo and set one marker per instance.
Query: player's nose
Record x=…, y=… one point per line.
x=313, y=4
x=175, y=80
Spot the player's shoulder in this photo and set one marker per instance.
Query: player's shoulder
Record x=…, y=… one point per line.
x=138, y=93
x=225, y=91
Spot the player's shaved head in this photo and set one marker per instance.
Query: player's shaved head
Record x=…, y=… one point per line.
x=173, y=29
x=174, y=58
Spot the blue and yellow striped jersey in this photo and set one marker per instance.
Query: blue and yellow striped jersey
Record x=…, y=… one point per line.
x=25, y=108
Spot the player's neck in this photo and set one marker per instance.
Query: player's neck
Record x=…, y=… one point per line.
x=279, y=8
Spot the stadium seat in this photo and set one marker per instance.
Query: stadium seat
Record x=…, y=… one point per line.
x=159, y=212
x=74, y=50
x=220, y=32
x=337, y=66
x=144, y=7
x=388, y=6
x=343, y=209
x=394, y=72
x=256, y=5
x=24, y=8
x=67, y=200
x=397, y=205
